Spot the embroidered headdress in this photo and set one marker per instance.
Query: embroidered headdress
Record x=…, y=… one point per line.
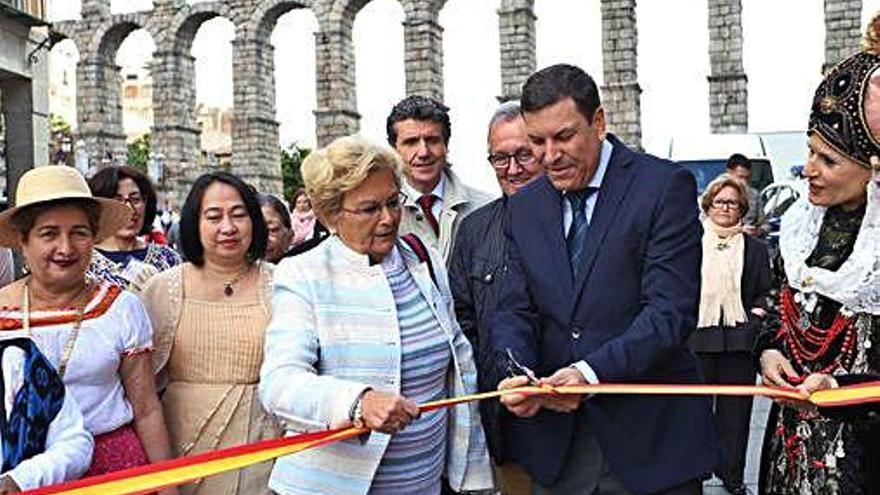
x=839, y=113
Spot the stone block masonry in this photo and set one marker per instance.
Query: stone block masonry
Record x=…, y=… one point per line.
x=174, y=23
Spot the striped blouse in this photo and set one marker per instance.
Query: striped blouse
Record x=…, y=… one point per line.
x=415, y=457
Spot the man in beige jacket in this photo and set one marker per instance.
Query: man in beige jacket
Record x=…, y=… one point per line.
x=419, y=129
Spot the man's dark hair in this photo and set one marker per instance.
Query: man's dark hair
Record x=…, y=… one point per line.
x=106, y=181
x=738, y=160
x=557, y=82
x=418, y=108
x=190, y=240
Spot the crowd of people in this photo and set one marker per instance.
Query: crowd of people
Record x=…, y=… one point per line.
x=388, y=283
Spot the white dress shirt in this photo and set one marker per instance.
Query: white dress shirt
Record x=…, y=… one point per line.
x=589, y=207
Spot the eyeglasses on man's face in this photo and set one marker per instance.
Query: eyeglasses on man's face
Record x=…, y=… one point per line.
x=373, y=210
x=725, y=204
x=522, y=156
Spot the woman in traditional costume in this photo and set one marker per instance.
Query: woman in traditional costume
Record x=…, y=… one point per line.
x=829, y=267
x=44, y=442
x=95, y=334
x=210, y=316
x=124, y=258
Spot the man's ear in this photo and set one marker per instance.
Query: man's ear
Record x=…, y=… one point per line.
x=599, y=123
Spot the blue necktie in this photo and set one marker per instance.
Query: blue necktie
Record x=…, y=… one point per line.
x=577, y=232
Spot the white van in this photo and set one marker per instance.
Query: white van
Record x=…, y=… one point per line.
x=780, y=153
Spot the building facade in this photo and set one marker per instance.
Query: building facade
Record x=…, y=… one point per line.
x=24, y=96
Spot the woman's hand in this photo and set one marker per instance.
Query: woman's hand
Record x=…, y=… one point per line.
x=7, y=485
x=818, y=381
x=387, y=413
x=775, y=368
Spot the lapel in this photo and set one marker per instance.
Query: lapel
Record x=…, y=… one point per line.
x=422, y=277
x=612, y=192
x=548, y=208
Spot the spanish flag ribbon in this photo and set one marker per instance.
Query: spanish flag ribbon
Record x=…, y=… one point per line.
x=150, y=478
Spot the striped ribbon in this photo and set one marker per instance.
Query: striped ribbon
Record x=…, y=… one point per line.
x=153, y=477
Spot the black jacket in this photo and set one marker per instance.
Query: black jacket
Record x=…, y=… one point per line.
x=755, y=286
x=321, y=233
x=475, y=273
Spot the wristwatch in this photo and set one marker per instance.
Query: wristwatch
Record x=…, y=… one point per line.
x=355, y=415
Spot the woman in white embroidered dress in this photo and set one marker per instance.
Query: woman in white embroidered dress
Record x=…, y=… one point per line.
x=37, y=408
x=97, y=335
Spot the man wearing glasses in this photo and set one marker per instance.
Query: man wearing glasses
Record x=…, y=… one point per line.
x=477, y=265
x=419, y=129
x=602, y=285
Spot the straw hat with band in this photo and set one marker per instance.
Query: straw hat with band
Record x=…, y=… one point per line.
x=54, y=183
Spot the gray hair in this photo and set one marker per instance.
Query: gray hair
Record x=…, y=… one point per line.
x=506, y=112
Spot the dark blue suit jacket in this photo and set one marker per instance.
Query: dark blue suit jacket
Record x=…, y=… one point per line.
x=628, y=316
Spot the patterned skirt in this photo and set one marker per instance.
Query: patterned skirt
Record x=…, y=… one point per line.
x=116, y=450
x=806, y=454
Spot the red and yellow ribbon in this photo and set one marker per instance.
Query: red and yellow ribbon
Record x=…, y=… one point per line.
x=153, y=477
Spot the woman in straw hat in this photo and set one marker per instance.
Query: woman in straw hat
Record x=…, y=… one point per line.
x=96, y=335
x=829, y=317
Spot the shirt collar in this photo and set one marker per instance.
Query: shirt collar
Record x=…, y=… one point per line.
x=413, y=194
x=440, y=187
x=604, y=160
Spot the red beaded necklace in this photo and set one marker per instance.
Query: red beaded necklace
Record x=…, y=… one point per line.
x=809, y=342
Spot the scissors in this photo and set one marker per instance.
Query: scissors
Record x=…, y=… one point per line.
x=515, y=368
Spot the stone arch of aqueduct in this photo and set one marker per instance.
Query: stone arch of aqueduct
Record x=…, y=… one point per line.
x=173, y=25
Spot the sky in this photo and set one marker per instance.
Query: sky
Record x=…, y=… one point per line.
x=782, y=56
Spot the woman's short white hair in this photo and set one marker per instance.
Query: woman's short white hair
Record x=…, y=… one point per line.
x=342, y=166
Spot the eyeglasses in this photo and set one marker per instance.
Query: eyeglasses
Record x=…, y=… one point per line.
x=373, y=210
x=134, y=200
x=725, y=204
x=501, y=161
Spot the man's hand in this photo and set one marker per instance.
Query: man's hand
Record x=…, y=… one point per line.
x=524, y=406
x=564, y=403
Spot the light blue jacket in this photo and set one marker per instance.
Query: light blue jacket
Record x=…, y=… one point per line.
x=334, y=332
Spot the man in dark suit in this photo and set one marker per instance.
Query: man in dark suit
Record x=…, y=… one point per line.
x=603, y=285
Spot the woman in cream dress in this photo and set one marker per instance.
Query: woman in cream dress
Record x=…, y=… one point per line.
x=210, y=315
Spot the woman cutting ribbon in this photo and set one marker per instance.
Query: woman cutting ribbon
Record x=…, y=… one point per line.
x=829, y=266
